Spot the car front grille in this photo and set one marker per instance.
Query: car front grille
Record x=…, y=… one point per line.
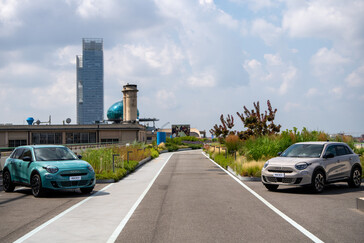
x=282, y=180
x=73, y=174
x=280, y=170
x=73, y=183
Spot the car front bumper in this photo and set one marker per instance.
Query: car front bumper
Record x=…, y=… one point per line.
x=293, y=178
x=58, y=182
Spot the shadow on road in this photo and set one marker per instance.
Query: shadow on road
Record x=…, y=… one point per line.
x=75, y=193
x=331, y=189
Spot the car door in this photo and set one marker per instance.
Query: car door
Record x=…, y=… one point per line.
x=332, y=165
x=24, y=166
x=15, y=163
x=344, y=159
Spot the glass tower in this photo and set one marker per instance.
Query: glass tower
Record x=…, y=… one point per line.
x=90, y=82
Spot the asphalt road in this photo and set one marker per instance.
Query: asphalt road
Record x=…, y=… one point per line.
x=193, y=200
x=21, y=212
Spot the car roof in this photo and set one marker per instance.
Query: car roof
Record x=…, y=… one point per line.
x=41, y=146
x=320, y=142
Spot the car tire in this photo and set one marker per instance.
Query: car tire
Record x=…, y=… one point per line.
x=86, y=190
x=36, y=184
x=355, y=177
x=271, y=187
x=8, y=185
x=318, y=181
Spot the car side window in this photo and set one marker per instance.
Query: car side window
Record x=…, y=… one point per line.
x=331, y=150
x=348, y=151
x=17, y=153
x=340, y=150
x=26, y=153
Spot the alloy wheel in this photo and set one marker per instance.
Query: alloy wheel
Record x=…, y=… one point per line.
x=35, y=185
x=319, y=182
x=357, y=177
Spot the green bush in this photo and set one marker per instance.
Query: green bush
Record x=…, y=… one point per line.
x=154, y=153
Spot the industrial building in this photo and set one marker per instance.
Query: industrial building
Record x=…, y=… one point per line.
x=127, y=128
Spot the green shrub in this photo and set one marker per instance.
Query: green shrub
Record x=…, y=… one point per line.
x=232, y=143
x=154, y=153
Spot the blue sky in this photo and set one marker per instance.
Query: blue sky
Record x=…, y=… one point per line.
x=192, y=60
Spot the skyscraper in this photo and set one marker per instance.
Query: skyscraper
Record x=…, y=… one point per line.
x=90, y=82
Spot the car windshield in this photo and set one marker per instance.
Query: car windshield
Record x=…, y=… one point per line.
x=54, y=154
x=303, y=150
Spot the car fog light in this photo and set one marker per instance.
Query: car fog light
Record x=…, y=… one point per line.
x=304, y=172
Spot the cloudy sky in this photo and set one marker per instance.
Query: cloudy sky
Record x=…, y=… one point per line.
x=192, y=60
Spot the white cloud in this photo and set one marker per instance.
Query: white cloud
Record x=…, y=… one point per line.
x=337, y=92
x=327, y=64
x=166, y=99
x=274, y=75
x=202, y=80
x=290, y=106
x=9, y=20
x=312, y=92
x=336, y=20
x=356, y=78
x=265, y=30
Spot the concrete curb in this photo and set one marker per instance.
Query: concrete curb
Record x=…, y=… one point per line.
x=360, y=204
x=243, y=178
x=141, y=163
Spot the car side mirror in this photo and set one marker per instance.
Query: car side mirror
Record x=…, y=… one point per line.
x=279, y=153
x=329, y=156
x=27, y=158
x=79, y=156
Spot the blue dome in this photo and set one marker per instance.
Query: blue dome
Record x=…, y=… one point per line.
x=116, y=112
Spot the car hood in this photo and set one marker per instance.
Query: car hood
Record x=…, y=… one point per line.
x=66, y=164
x=290, y=160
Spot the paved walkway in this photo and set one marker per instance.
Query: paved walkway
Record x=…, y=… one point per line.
x=97, y=218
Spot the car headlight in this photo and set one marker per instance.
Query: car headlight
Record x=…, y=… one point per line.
x=301, y=166
x=51, y=169
x=266, y=164
x=89, y=167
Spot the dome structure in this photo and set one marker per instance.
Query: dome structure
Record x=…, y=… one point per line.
x=116, y=112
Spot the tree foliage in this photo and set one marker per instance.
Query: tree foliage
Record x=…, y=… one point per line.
x=256, y=123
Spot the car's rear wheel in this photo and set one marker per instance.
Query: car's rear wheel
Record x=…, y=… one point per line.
x=355, y=177
x=7, y=183
x=86, y=190
x=318, y=181
x=271, y=187
x=36, y=183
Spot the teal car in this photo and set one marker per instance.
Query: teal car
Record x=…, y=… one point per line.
x=44, y=167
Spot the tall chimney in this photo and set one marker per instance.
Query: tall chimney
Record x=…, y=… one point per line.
x=130, y=102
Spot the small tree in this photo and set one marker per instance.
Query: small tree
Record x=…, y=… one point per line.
x=224, y=129
x=258, y=124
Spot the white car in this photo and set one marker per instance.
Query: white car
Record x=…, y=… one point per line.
x=314, y=164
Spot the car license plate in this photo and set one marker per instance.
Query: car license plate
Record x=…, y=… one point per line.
x=280, y=175
x=75, y=178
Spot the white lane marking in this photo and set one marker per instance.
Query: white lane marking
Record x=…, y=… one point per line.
x=122, y=224
x=277, y=211
x=39, y=228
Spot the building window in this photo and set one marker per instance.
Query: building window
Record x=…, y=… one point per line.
x=47, y=138
x=80, y=137
x=16, y=143
x=110, y=140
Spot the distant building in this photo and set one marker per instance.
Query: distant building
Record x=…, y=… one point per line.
x=90, y=82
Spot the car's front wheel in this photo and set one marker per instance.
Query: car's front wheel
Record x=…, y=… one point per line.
x=36, y=183
x=7, y=183
x=86, y=190
x=318, y=181
x=271, y=187
x=355, y=177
